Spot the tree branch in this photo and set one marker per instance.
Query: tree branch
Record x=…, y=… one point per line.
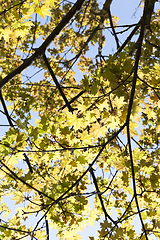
x=47, y=228
x=73, y=99
x=138, y=55
x=152, y=44
x=5, y=110
x=57, y=84
x=16, y=5
x=128, y=38
x=14, y=229
x=100, y=197
x=14, y=176
x=39, y=51
x=104, y=11
x=80, y=178
x=11, y=124
x=114, y=32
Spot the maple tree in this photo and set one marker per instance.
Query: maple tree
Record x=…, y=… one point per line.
x=81, y=145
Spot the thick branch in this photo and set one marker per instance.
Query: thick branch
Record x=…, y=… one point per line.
x=138, y=55
x=39, y=51
x=26, y=159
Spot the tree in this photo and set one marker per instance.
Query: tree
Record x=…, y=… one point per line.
x=81, y=145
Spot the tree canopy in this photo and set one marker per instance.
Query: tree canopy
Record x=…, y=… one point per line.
x=97, y=129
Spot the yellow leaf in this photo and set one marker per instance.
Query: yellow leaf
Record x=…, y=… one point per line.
x=50, y=3
x=6, y=33
x=12, y=161
x=133, y=125
x=93, y=217
x=112, y=123
x=37, y=2
x=40, y=235
x=18, y=197
x=98, y=131
x=118, y=102
x=68, y=235
x=74, y=121
x=136, y=110
x=20, y=124
x=158, y=128
x=43, y=11
x=86, y=138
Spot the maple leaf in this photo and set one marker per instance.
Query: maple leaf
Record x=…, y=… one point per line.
x=43, y=11
x=72, y=107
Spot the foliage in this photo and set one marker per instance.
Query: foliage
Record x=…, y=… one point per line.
x=84, y=143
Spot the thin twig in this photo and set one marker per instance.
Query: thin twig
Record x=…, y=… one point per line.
x=128, y=38
x=73, y=99
x=11, y=124
x=6, y=10
x=138, y=144
x=15, y=177
x=100, y=197
x=114, y=32
x=153, y=88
